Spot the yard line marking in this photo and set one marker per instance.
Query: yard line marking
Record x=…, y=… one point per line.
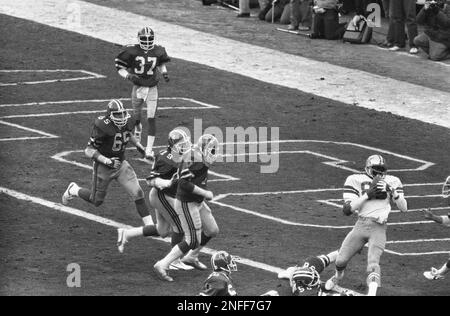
x=202, y=104
x=349, y=86
x=416, y=241
x=76, y=212
x=90, y=75
x=44, y=134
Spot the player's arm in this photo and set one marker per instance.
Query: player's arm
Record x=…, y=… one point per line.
x=92, y=153
x=140, y=148
x=189, y=187
x=444, y=220
x=397, y=195
x=353, y=200
x=122, y=65
x=163, y=70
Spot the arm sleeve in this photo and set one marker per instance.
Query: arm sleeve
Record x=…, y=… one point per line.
x=97, y=137
x=164, y=58
x=123, y=60
x=443, y=20
x=351, y=191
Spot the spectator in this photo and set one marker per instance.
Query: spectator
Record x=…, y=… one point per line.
x=389, y=41
x=298, y=14
x=435, y=41
x=402, y=11
x=265, y=6
x=244, y=9
x=276, y=10
x=326, y=20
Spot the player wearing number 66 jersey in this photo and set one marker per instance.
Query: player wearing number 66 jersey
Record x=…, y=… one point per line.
x=106, y=147
x=369, y=195
x=139, y=64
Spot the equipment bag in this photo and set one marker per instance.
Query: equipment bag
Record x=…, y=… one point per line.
x=358, y=33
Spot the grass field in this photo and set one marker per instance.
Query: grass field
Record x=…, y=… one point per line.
x=273, y=219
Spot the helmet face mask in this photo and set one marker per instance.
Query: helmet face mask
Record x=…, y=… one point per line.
x=117, y=113
x=146, y=38
x=376, y=166
x=208, y=146
x=304, y=279
x=223, y=261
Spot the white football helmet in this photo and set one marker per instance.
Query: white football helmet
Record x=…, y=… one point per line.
x=376, y=166
x=208, y=145
x=179, y=142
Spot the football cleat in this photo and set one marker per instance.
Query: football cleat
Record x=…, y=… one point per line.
x=194, y=262
x=433, y=275
x=146, y=38
x=179, y=265
x=117, y=113
x=161, y=272
x=331, y=283
x=68, y=195
x=121, y=239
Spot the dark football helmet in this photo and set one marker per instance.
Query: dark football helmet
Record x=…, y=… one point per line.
x=304, y=279
x=116, y=112
x=146, y=38
x=179, y=142
x=376, y=166
x=223, y=261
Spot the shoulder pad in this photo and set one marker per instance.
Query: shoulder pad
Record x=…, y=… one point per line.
x=103, y=123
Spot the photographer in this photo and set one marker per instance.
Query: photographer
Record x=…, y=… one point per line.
x=435, y=15
x=326, y=20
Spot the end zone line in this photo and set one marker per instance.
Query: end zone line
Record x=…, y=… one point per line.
x=95, y=218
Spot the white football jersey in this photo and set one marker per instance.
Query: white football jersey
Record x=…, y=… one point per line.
x=358, y=184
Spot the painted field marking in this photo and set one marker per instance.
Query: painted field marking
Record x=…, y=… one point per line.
x=335, y=162
x=61, y=157
x=87, y=75
x=44, y=134
x=95, y=218
x=349, y=86
x=201, y=105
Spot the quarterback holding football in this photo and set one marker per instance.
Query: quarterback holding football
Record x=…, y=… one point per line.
x=138, y=64
x=369, y=195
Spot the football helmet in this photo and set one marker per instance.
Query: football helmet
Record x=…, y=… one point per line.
x=304, y=279
x=223, y=261
x=146, y=38
x=376, y=166
x=208, y=146
x=117, y=113
x=179, y=142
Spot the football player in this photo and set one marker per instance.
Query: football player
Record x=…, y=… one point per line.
x=196, y=218
x=369, y=195
x=162, y=195
x=219, y=282
x=138, y=64
x=437, y=274
x=305, y=277
x=106, y=147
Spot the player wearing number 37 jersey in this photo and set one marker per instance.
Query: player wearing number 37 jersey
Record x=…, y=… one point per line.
x=106, y=147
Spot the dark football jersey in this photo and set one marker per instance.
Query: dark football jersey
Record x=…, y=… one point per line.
x=165, y=168
x=197, y=174
x=110, y=140
x=218, y=284
x=142, y=63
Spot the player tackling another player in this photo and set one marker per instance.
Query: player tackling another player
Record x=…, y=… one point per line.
x=368, y=195
x=138, y=64
x=106, y=147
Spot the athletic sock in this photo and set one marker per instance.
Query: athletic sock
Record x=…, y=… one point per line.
x=150, y=141
x=134, y=232
x=195, y=252
x=332, y=256
x=85, y=194
x=148, y=220
x=150, y=230
x=173, y=255
x=142, y=208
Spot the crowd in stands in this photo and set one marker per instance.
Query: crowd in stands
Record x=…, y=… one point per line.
x=321, y=18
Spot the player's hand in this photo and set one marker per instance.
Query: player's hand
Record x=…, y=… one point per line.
x=428, y=214
x=114, y=163
x=166, y=77
x=133, y=78
x=376, y=190
x=209, y=195
x=385, y=187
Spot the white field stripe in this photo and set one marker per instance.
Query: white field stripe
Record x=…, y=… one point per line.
x=202, y=105
x=90, y=75
x=342, y=84
x=417, y=241
x=73, y=211
x=46, y=135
